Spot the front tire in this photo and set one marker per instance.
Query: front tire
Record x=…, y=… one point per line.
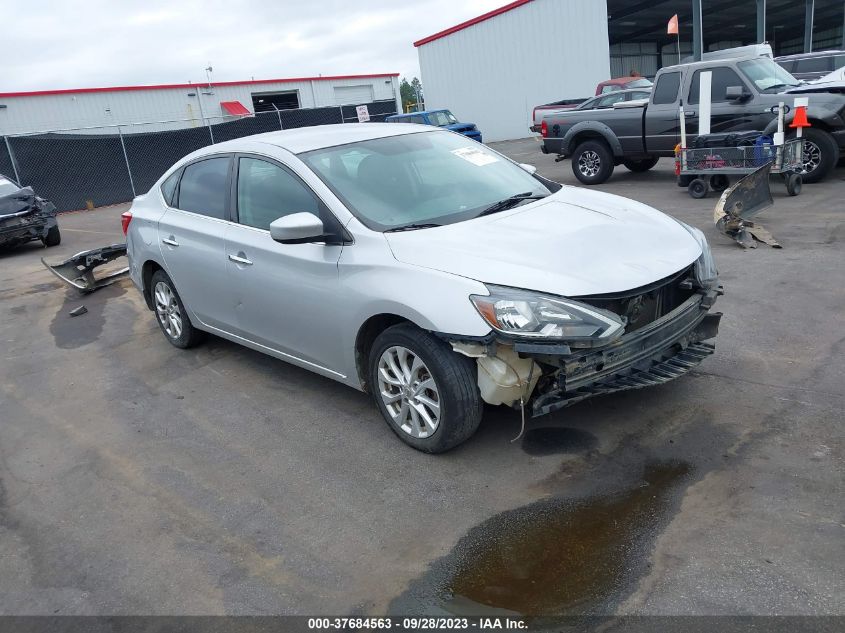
x=819, y=156
x=592, y=162
x=641, y=165
x=170, y=312
x=427, y=393
x=53, y=237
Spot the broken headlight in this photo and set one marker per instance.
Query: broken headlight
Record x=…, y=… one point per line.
x=531, y=314
x=706, y=273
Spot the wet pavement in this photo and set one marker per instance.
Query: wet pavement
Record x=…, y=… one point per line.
x=137, y=478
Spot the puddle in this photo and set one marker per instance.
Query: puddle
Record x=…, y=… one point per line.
x=72, y=332
x=557, y=440
x=556, y=556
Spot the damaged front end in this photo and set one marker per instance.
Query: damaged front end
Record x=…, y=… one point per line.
x=24, y=217
x=78, y=270
x=668, y=329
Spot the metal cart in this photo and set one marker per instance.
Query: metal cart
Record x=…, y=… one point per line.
x=712, y=167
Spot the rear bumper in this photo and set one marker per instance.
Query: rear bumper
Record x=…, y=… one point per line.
x=657, y=353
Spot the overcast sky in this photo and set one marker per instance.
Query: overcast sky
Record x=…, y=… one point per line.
x=50, y=44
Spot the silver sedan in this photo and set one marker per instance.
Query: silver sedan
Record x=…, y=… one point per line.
x=423, y=267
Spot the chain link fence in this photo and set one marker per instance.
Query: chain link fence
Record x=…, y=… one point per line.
x=93, y=167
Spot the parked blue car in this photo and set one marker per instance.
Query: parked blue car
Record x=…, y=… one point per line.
x=438, y=118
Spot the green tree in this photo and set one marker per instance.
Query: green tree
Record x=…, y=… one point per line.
x=409, y=92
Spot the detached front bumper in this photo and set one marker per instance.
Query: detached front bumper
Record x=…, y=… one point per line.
x=657, y=353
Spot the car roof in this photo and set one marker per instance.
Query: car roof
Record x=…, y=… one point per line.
x=306, y=139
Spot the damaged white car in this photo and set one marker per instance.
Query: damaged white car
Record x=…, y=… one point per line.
x=422, y=267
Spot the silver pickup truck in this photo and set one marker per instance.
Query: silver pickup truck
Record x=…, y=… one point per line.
x=745, y=92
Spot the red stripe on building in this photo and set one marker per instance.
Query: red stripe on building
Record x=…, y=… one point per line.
x=469, y=23
x=216, y=84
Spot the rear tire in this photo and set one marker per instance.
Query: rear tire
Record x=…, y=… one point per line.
x=592, y=162
x=431, y=399
x=53, y=237
x=820, y=154
x=170, y=313
x=641, y=165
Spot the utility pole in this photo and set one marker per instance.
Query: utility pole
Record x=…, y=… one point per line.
x=697, y=33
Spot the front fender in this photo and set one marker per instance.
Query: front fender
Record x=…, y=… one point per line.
x=814, y=114
x=593, y=127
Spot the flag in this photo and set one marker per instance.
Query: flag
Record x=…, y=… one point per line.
x=672, y=29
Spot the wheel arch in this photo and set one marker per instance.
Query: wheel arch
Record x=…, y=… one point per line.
x=147, y=271
x=366, y=336
x=589, y=130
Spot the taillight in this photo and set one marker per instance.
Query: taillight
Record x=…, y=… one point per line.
x=544, y=129
x=125, y=219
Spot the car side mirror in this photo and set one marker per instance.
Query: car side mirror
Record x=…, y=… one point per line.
x=298, y=228
x=736, y=93
x=531, y=169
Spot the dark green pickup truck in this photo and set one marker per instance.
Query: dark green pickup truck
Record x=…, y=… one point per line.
x=744, y=93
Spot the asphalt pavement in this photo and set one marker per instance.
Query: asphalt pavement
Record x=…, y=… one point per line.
x=136, y=478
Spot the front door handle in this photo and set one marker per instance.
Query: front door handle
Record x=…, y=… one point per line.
x=240, y=259
x=689, y=113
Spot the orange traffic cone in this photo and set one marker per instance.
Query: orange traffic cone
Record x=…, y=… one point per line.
x=800, y=118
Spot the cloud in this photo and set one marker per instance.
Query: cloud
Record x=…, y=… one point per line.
x=55, y=44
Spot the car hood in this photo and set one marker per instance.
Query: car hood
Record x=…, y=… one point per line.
x=576, y=242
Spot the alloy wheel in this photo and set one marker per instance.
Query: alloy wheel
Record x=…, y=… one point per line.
x=812, y=156
x=409, y=392
x=167, y=310
x=589, y=163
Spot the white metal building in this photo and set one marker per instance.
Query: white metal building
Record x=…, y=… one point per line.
x=493, y=70
x=185, y=105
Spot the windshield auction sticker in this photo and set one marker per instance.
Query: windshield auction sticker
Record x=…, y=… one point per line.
x=475, y=156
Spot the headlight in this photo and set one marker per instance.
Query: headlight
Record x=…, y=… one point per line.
x=530, y=314
x=706, y=273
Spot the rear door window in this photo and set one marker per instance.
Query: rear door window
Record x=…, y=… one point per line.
x=666, y=90
x=204, y=187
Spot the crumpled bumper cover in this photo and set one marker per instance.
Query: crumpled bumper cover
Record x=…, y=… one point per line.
x=78, y=270
x=655, y=354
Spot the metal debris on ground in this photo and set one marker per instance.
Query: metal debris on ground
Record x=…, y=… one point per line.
x=78, y=311
x=739, y=204
x=78, y=271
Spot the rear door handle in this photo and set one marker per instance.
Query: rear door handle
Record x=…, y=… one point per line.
x=170, y=241
x=689, y=113
x=240, y=259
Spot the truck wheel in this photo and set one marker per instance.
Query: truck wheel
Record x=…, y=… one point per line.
x=698, y=188
x=592, y=162
x=641, y=165
x=820, y=154
x=53, y=237
x=427, y=393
